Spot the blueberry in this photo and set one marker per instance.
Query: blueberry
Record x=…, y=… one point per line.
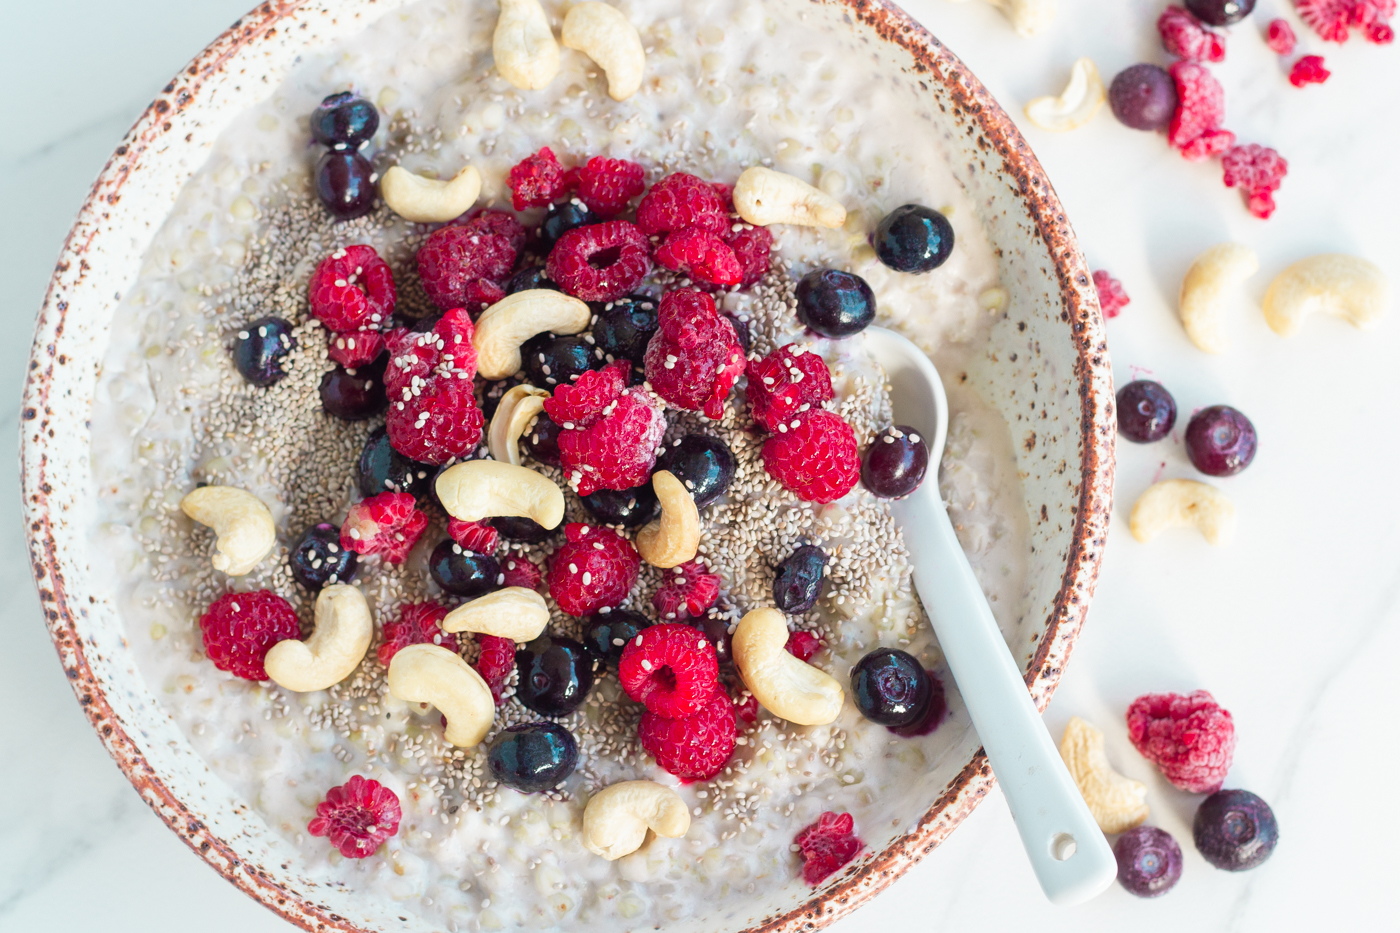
x=1220, y=440
x=624, y=327
x=704, y=463
x=914, y=239
x=1143, y=97
x=798, y=582
x=383, y=469
x=1149, y=861
x=355, y=396
x=344, y=121
x=461, y=572
x=1146, y=411
x=491, y=394
x=345, y=183
x=561, y=217
x=1220, y=12
x=890, y=687
x=524, y=530
x=741, y=330
x=530, y=278
x=259, y=347
x=532, y=756
x=627, y=507
x=895, y=462
x=835, y=303
x=555, y=675
x=1235, y=830
x=551, y=361
x=606, y=634
x=317, y=559
x=716, y=631
x=541, y=441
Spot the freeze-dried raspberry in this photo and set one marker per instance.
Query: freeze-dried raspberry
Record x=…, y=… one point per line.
x=519, y=570
x=803, y=645
x=669, y=668
x=356, y=348
x=1195, y=127
x=753, y=247
x=686, y=591
x=495, y=664
x=440, y=424
x=701, y=255
x=387, y=524
x=1190, y=738
x=536, y=180
x=495, y=223
x=351, y=289
x=694, y=748
x=827, y=845
x=479, y=295
x=595, y=569
x=416, y=624
x=746, y=708
x=1380, y=33
x=1112, y=298
x=417, y=357
x=455, y=256
x=607, y=185
x=608, y=433
x=1308, y=70
x=478, y=537
x=814, y=456
x=357, y=816
x=600, y=262
x=679, y=201
x=582, y=403
x=786, y=381
x=695, y=357
x=1331, y=19
x=1281, y=37
x=1258, y=171
x=1185, y=37
x=239, y=629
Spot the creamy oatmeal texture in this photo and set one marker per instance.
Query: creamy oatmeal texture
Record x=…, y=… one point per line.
x=725, y=88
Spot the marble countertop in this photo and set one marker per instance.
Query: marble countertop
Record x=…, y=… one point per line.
x=1291, y=627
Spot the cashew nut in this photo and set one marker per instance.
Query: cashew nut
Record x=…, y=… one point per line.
x=342, y=636
x=1202, y=302
x=246, y=533
x=1347, y=287
x=508, y=323
x=480, y=489
x=1028, y=17
x=514, y=612
x=432, y=674
x=763, y=196
x=1076, y=106
x=1117, y=803
x=674, y=536
x=603, y=34
x=616, y=819
x=517, y=408
x=791, y=689
x=429, y=200
x=1179, y=503
x=526, y=54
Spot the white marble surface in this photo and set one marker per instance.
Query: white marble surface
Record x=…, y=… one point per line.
x=1293, y=627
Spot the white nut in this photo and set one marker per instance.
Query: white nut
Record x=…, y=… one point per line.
x=1117, y=803
x=1028, y=17
x=343, y=632
x=429, y=200
x=515, y=612
x=526, y=54
x=787, y=687
x=242, y=522
x=603, y=34
x=1203, y=292
x=508, y=323
x=1076, y=106
x=481, y=489
x=763, y=197
x=1183, y=503
x=517, y=408
x=432, y=674
x=674, y=537
x=1347, y=287
x=616, y=819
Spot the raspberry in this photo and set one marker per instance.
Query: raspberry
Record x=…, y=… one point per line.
x=455, y=256
x=752, y=247
x=496, y=223
x=697, y=747
x=600, y=262
x=445, y=351
x=536, y=180
x=826, y=845
x=1258, y=171
x=1330, y=19
x=595, y=569
x=481, y=294
x=701, y=255
x=356, y=348
x=747, y=708
x=786, y=381
x=609, y=434
x=581, y=404
x=679, y=201
x=1112, y=298
x=803, y=645
x=695, y=357
x=1185, y=37
x=688, y=591
x=495, y=664
x=440, y=425
x=1190, y=739
x=1308, y=70
x=607, y=185
x=671, y=669
x=478, y=537
x=1195, y=127
x=814, y=456
x=519, y=570
x=240, y=628
x=357, y=816
x=416, y=624
x=1380, y=33
x=1281, y=37
x=387, y=524
x=351, y=289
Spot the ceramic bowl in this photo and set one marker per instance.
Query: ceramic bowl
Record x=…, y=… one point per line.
x=1045, y=368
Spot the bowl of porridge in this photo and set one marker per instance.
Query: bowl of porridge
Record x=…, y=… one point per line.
x=206, y=222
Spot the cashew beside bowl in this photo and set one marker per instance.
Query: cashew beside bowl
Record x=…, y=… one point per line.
x=1347, y=287
x=788, y=688
x=1117, y=803
x=1028, y=17
x=1202, y=302
x=526, y=54
x=480, y=489
x=1182, y=503
x=508, y=323
x=432, y=674
x=429, y=200
x=1076, y=105
x=515, y=612
x=343, y=632
x=616, y=819
x=674, y=536
x=603, y=34
x=242, y=521
x=518, y=407
x=763, y=197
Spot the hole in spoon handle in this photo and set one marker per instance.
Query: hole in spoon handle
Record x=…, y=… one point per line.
x=1063, y=847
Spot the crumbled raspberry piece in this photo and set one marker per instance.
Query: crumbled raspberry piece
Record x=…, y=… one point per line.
x=608, y=434
x=753, y=247
x=679, y=201
x=1112, y=298
x=1185, y=37
x=687, y=591
x=1200, y=110
x=746, y=708
x=536, y=180
x=607, y=185
x=1308, y=70
x=826, y=845
x=1208, y=144
x=701, y=255
x=240, y=628
x=356, y=348
x=387, y=524
x=352, y=289
x=600, y=262
x=669, y=668
x=1258, y=171
x=786, y=381
x=455, y=256
x=495, y=664
x=1190, y=739
x=416, y=624
x=1281, y=38
x=595, y=569
x=1330, y=19
x=803, y=645
x=432, y=415
x=1380, y=33
x=519, y=570
x=694, y=748
x=695, y=357
x=357, y=816
x=477, y=537
x=814, y=456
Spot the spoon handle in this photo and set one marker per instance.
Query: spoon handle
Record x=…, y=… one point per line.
x=1070, y=856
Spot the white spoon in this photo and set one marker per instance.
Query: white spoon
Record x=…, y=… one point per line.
x=1070, y=856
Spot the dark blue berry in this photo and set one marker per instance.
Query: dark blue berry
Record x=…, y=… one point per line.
x=1146, y=411
x=835, y=303
x=1220, y=440
x=561, y=217
x=344, y=121
x=551, y=361
x=530, y=278
x=895, y=462
x=490, y=396
x=318, y=560
x=1235, y=830
x=890, y=687
x=259, y=348
x=741, y=330
x=383, y=469
x=462, y=572
x=606, y=634
x=525, y=530
x=555, y=675
x=626, y=507
x=1143, y=97
x=1220, y=12
x=705, y=464
x=533, y=756
x=345, y=183
x=913, y=238
x=716, y=631
x=1149, y=861
x=624, y=327
x=355, y=396
x=798, y=582
x=541, y=440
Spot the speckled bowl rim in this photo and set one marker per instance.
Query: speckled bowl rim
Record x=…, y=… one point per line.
x=1079, y=310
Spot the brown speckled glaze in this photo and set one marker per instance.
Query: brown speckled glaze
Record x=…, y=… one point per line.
x=1045, y=368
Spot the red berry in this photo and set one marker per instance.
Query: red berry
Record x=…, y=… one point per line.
x=477, y=537
x=1380, y=33
x=1281, y=37
x=1258, y=171
x=1308, y=70
x=695, y=357
x=1185, y=37
x=432, y=415
x=803, y=645
x=696, y=252
x=669, y=668
x=1112, y=298
x=608, y=434
x=519, y=570
x=495, y=664
x=747, y=708
x=417, y=357
x=1330, y=19
x=814, y=456
x=357, y=816
x=536, y=180
x=595, y=569
x=826, y=845
x=387, y=524
x=786, y=381
x=351, y=289
x=582, y=403
x=1190, y=738
x=356, y=348
x=694, y=748
x=752, y=247
x=600, y=262
x=1195, y=127
x=455, y=256
x=415, y=624
x=679, y=201
x=688, y=590
x=607, y=185
x=240, y=628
